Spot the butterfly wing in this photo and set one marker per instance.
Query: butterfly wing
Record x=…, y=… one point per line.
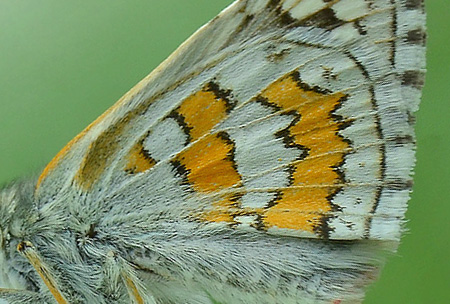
x=276, y=124
x=293, y=117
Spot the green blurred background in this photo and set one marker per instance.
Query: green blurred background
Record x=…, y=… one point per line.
x=62, y=63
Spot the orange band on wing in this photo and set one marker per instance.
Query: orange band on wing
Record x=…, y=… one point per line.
x=203, y=110
x=314, y=179
x=208, y=164
x=316, y=131
x=196, y=116
x=221, y=211
x=138, y=160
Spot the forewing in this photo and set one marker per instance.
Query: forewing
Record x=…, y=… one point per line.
x=291, y=117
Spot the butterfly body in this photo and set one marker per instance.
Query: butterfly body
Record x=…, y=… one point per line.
x=268, y=160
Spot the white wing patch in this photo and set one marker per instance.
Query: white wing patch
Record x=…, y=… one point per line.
x=303, y=9
x=349, y=10
x=165, y=139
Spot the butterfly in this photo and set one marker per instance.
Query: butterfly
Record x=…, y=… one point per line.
x=267, y=160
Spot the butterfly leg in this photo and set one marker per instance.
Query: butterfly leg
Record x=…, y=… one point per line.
x=118, y=269
x=28, y=251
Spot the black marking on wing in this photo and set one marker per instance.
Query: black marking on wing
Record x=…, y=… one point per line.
x=413, y=78
x=285, y=134
x=394, y=26
x=399, y=184
x=324, y=229
x=266, y=103
x=382, y=146
x=325, y=18
x=182, y=172
x=403, y=140
x=289, y=140
x=414, y=4
x=231, y=154
x=279, y=193
x=182, y=123
x=245, y=23
x=306, y=87
x=143, y=152
x=417, y=36
x=360, y=28
x=226, y=95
